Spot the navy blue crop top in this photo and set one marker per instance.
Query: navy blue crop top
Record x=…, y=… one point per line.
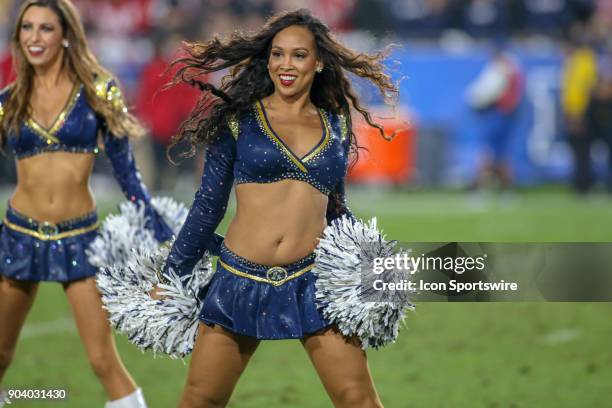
x=248, y=150
x=262, y=157
x=76, y=129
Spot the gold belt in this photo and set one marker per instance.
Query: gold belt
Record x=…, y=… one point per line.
x=48, y=231
x=276, y=275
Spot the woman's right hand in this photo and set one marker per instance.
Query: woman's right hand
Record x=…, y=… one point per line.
x=156, y=293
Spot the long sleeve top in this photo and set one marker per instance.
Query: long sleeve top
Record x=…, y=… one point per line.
x=247, y=150
x=76, y=129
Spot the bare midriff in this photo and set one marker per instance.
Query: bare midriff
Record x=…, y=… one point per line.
x=54, y=187
x=276, y=223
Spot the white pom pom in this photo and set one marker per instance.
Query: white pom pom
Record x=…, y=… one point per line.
x=123, y=232
x=166, y=326
x=345, y=294
x=129, y=258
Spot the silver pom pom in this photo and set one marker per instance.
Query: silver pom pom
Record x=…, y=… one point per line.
x=345, y=291
x=130, y=259
x=123, y=232
x=167, y=326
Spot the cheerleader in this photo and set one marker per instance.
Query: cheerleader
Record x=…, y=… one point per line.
x=279, y=129
x=52, y=117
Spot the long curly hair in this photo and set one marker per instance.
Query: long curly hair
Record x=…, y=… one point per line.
x=80, y=63
x=246, y=57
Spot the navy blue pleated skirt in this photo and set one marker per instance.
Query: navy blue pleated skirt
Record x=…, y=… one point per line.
x=262, y=301
x=37, y=251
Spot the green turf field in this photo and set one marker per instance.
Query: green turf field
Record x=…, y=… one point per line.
x=448, y=355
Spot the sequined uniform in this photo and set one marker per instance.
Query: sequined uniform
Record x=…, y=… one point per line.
x=247, y=298
x=36, y=250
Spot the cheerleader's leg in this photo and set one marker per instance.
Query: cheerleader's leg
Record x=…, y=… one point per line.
x=343, y=369
x=219, y=358
x=95, y=332
x=16, y=298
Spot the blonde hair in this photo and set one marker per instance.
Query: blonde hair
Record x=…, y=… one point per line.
x=80, y=62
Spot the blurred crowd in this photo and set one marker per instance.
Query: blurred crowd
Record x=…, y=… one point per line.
x=136, y=39
x=125, y=34
x=487, y=18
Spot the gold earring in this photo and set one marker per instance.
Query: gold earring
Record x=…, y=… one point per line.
x=65, y=43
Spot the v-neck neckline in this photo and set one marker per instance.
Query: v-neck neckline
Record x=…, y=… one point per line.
x=49, y=133
x=308, y=155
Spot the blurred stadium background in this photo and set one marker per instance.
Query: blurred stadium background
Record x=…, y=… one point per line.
x=553, y=99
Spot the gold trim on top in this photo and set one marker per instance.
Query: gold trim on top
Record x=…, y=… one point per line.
x=59, y=122
x=266, y=280
x=343, y=126
x=42, y=132
x=108, y=90
x=115, y=98
x=234, y=125
x=51, y=237
x=101, y=84
x=264, y=122
x=325, y=139
x=50, y=134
